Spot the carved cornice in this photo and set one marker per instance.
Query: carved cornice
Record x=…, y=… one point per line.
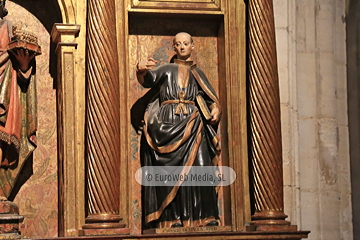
x=183, y=5
x=64, y=34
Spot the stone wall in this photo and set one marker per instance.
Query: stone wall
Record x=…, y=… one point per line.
x=313, y=90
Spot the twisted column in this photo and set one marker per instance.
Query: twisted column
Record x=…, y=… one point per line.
x=102, y=117
x=265, y=126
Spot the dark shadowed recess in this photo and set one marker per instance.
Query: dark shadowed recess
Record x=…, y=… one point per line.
x=353, y=73
x=170, y=24
x=48, y=12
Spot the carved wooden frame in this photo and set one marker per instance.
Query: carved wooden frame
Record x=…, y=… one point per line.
x=233, y=40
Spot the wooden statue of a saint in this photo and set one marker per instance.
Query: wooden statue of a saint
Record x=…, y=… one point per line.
x=179, y=130
x=18, y=121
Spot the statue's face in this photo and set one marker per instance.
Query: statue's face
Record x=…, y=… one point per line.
x=183, y=46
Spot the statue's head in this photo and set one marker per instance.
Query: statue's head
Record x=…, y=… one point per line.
x=3, y=10
x=183, y=45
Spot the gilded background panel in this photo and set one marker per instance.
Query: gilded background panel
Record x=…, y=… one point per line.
x=160, y=48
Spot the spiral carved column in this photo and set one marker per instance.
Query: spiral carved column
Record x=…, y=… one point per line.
x=102, y=118
x=265, y=126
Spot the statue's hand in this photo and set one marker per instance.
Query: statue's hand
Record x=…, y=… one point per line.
x=215, y=114
x=143, y=66
x=23, y=58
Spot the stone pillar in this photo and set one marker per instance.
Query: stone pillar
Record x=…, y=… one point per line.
x=64, y=36
x=102, y=133
x=265, y=126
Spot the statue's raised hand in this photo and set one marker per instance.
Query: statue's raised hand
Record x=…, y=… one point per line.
x=23, y=57
x=143, y=66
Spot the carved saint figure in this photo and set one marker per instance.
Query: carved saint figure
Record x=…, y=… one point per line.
x=17, y=101
x=179, y=130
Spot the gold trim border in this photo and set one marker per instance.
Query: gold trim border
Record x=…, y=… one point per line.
x=194, y=5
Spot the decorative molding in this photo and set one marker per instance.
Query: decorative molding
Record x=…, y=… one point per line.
x=64, y=34
x=70, y=191
x=236, y=112
x=183, y=5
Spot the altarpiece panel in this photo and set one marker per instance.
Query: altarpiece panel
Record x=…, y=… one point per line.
x=145, y=29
